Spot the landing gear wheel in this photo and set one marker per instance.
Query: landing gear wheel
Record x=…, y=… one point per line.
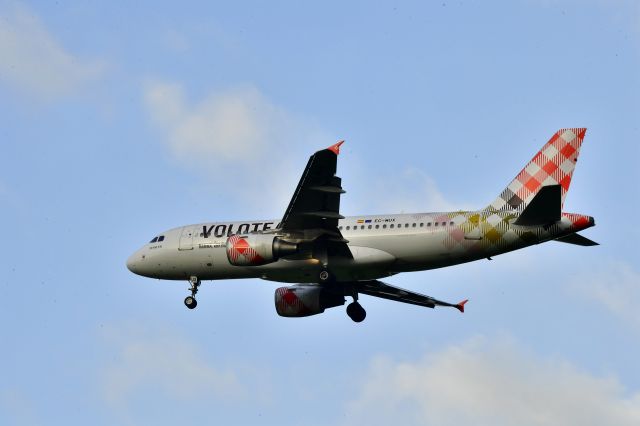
x=356, y=312
x=325, y=276
x=190, y=302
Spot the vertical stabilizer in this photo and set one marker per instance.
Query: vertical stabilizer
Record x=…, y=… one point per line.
x=552, y=165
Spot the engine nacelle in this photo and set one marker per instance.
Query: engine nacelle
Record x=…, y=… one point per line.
x=257, y=249
x=305, y=300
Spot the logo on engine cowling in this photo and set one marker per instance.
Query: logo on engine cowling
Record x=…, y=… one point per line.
x=288, y=304
x=239, y=248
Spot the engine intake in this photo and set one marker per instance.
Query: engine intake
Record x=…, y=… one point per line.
x=257, y=249
x=305, y=300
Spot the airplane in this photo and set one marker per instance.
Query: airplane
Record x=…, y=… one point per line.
x=328, y=257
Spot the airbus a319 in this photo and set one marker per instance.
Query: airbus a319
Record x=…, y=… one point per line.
x=327, y=257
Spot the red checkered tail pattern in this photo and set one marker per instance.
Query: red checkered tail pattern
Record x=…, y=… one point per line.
x=552, y=165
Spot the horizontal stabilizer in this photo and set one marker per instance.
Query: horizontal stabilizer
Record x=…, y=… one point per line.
x=577, y=239
x=544, y=208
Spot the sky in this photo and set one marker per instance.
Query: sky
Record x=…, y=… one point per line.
x=119, y=121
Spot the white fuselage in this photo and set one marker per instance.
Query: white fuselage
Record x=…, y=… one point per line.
x=381, y=245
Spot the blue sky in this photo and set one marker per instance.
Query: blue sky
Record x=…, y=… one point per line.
x=119, y=122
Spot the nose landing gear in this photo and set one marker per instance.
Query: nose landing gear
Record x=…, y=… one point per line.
x=190, y=301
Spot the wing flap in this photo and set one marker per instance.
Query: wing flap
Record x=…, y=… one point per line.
x=323, y=215
x=329, y=189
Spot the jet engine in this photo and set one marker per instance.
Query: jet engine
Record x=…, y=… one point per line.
x=305, y=300
x=257, y=249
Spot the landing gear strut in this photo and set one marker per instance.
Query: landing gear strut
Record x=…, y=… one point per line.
x=190, y=301
x=355, y=311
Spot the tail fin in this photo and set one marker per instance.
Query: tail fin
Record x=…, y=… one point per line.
x=552, y=165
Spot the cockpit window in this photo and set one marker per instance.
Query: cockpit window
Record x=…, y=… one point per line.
x=154, y=240
x=161, y=238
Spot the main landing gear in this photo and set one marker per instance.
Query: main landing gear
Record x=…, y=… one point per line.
x=190, y=301
x=355, y=310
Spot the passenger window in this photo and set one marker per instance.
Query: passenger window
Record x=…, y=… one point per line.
x=428, y=224
x=413, y=225
x=154, y=240
x=391, y=226
x=406, y=225
x=435, y=223
x=444, y=223
x=384, y=226
x=161, y=238
x=340, y=228
x=347, y=228
x=451, y=223
x=369, y=226
x=361, y=226
x=377, y=226
x=421, y=225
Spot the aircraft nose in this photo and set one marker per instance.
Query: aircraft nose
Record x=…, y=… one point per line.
x=132, y=263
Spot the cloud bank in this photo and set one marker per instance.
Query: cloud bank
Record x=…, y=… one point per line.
x=238, y=125
x=482, y=382
x=237, y=137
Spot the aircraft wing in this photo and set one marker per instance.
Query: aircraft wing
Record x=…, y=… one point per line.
x=314, y=209
x=379, y=289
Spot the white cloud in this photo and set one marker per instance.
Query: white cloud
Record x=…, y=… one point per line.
x=616, y=286
x=33, y=60
x=238, y=137
x=489, y=383
x=166, y=363
x=234, y=126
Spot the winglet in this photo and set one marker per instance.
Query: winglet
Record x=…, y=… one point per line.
x=460, y=306
x=335, y=148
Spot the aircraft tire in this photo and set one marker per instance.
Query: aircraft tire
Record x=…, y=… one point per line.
x=190, y=302
x=356, y=312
